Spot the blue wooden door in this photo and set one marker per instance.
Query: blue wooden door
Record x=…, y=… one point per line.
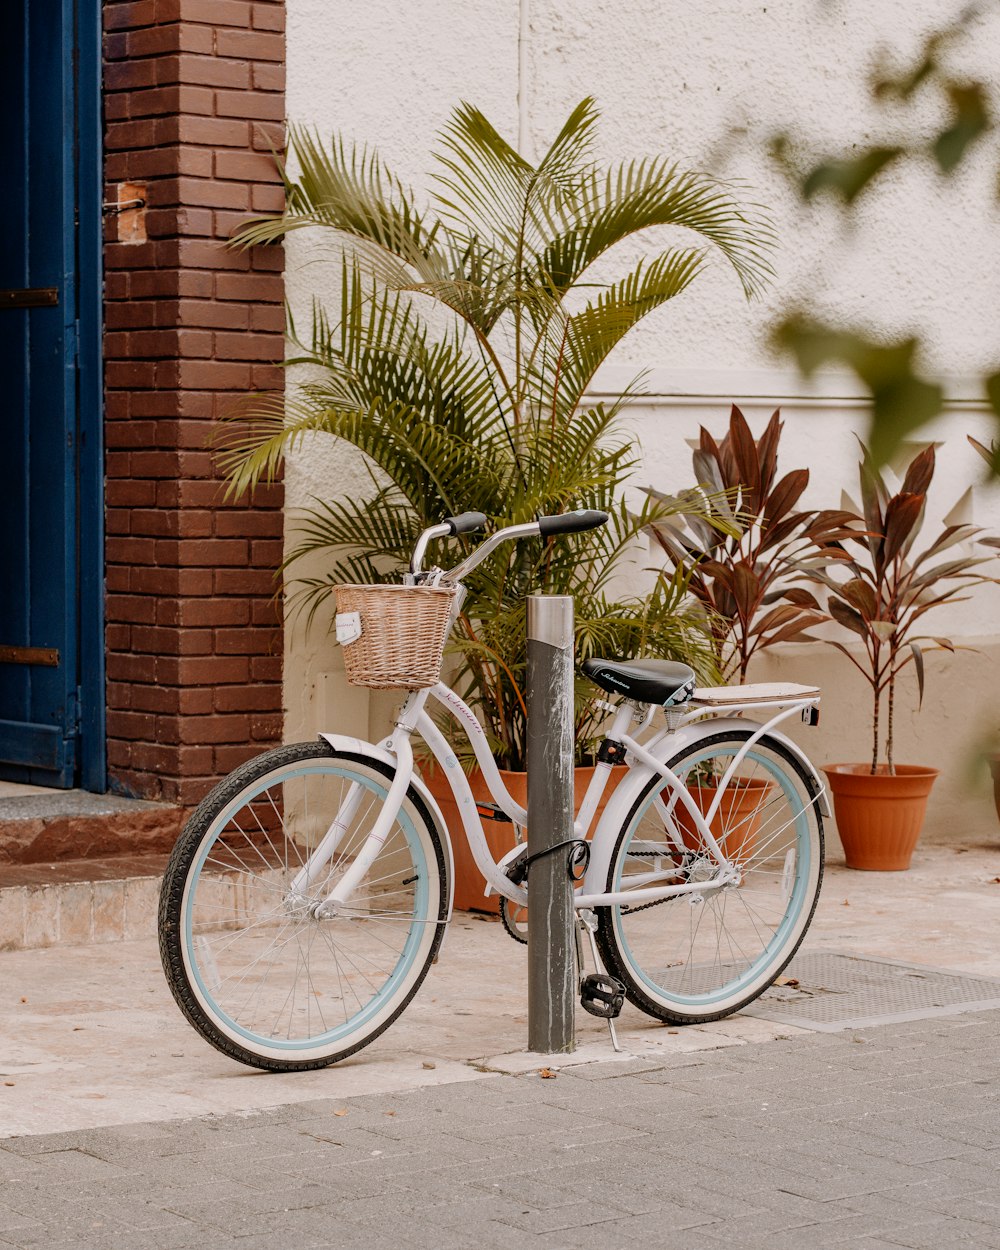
x=39, y=497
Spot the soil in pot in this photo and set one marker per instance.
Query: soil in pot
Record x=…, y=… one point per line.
x=469, y=883
x=879, y=817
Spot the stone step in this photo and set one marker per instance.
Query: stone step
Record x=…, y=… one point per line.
x=77, y=868
x=79, y=902
x=51, y=825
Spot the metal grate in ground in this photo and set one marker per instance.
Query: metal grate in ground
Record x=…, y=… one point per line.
x=837, y=992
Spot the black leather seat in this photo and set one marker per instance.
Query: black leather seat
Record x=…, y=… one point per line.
x=646, y=681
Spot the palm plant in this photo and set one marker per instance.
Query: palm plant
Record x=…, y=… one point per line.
x=484, y=407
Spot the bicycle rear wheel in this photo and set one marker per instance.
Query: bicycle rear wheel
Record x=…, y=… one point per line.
x=252, y=966
x=701, y=956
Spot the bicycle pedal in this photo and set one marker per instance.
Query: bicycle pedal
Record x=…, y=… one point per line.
x=602, y=996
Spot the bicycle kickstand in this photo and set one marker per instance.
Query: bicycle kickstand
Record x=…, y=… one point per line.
x=601, y=995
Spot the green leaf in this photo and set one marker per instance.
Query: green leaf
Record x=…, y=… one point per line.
x=902, y=401
x=576, y=346
x=612, y=206
x=846, y=179
x=970, y=121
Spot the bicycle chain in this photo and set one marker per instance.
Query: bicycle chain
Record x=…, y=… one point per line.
x=508, y=924
x=657, y=902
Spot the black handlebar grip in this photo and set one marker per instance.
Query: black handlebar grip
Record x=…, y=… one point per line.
x=571, y=522
x=465, y=522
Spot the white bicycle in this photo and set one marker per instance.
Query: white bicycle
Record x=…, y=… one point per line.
x=309, y=893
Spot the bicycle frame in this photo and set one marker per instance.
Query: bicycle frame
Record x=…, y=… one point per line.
x=646, y=762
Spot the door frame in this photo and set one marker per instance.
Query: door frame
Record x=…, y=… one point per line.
x=86, y=154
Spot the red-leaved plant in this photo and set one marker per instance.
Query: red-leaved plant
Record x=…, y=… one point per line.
x=738, y=562
x=888, y=591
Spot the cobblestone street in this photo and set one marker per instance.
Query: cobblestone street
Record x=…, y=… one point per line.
x=883, y=1137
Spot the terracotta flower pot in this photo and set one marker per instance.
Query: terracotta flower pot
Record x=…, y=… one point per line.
x=879, y=817
x=739, y=813
x=994, y=762
x=469, y=883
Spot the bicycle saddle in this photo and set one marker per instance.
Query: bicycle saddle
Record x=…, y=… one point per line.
x=646, y=681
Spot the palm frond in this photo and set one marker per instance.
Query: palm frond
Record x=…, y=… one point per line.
x=638, y=195
x=487, y=189
x=588, y=337
x=457, y=364
x=346, y=187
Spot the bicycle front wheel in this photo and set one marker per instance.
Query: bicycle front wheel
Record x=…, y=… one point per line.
x=701, y=956
x=254, y=963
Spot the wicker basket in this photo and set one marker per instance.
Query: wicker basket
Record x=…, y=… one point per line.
x=403, y=632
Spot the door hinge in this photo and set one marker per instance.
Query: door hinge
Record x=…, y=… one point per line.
x=31, y=297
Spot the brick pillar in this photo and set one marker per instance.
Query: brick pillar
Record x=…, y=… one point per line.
x=194, y=104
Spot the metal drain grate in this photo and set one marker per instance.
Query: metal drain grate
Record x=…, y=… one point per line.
x=848, y=992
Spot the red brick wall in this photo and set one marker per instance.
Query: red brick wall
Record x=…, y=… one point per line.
x=194, y=104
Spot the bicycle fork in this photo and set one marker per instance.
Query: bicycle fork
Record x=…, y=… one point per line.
x=317, y=862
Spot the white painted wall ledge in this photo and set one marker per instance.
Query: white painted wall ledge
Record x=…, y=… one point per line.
x=706, y=387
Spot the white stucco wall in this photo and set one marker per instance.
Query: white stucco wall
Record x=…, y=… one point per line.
x=703, y=83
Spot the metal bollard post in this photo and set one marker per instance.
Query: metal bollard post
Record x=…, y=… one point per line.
x=551, y=954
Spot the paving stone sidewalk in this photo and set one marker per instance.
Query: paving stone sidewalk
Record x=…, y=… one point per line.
x=885, y=1137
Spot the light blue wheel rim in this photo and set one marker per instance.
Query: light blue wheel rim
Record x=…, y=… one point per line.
x=407, y=957
x=797, y=898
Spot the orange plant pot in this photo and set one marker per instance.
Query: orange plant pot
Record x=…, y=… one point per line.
x=469, y=882
x=879, y=817
x=739, y=812
x=994, y=762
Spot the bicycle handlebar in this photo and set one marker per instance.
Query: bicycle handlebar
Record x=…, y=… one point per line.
x=545, y=527
x=571, y=522
x=465, y=522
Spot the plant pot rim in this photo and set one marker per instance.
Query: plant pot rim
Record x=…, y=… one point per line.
x=857, y=783
x=864, y=770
